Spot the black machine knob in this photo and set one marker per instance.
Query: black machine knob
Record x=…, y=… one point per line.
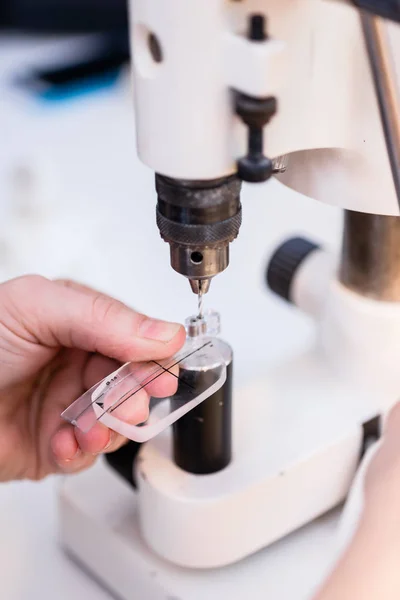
x=284, y=264
x=255, y=113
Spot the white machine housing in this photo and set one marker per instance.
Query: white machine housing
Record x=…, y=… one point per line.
x=314, y=62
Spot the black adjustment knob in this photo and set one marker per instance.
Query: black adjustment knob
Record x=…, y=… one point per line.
x=284, y=264
x=257, y=31
x=255, y=113
x=122, y=461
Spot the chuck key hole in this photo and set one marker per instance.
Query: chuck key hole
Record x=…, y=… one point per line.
x=196, y=258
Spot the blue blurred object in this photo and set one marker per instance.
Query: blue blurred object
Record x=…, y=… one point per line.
x=97, y=72
x=76, y=90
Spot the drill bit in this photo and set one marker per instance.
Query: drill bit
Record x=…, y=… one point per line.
x=200, y=298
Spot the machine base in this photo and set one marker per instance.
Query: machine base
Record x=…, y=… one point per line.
x=298, y=435
x=100, y=530
x=275, y=485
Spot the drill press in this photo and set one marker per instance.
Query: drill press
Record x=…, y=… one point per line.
x=210, y=95
x=200, y=218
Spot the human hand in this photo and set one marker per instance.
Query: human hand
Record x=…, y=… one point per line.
x=368, y=568
x=57, y=339
x=382, y=481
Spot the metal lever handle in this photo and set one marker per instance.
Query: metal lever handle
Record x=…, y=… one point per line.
x=387, y=9
x=384, y=78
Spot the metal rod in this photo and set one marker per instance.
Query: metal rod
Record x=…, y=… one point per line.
x=370, y=264
x=384, y=78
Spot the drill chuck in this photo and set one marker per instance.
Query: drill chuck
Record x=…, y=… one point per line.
x=199, y=219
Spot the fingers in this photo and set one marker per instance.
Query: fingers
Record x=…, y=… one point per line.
x=392, y=422
x=97, y=368
x=99, y=440
x=72, y=448
x=159, y=379
x=129, y=401
x=68, y=456
x=73, y=451
x=55, y=314
x=64, y=445
x=74, y=285
x=60, y=448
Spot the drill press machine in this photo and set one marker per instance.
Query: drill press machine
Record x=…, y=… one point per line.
x=215, y=84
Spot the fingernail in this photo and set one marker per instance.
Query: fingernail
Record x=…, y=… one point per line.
x=110, y=441
x=76, y=455
x=158, y=330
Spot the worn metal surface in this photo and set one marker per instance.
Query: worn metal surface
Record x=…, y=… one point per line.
x=199, y=220
x=370, y=262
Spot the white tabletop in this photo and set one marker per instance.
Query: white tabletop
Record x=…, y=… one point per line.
x=88, y=213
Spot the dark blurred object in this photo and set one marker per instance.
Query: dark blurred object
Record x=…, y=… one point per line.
x=64, y=16
x=80, y=16
x=99, y=67
x=388, y=9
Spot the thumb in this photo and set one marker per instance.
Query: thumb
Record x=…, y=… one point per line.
x=53, y=315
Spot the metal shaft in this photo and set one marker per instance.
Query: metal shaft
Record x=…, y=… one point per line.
x=371, y=243
x=384, y=77
x=370, y=263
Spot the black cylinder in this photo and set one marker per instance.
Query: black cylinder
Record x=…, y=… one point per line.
x=203, y=438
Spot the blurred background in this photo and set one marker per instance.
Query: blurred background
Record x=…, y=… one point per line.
x=75, y=202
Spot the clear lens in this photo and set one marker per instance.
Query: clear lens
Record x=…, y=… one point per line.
x=171, y=388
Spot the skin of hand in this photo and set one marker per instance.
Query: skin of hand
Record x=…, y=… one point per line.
x=58, y=339
x=369, y=568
